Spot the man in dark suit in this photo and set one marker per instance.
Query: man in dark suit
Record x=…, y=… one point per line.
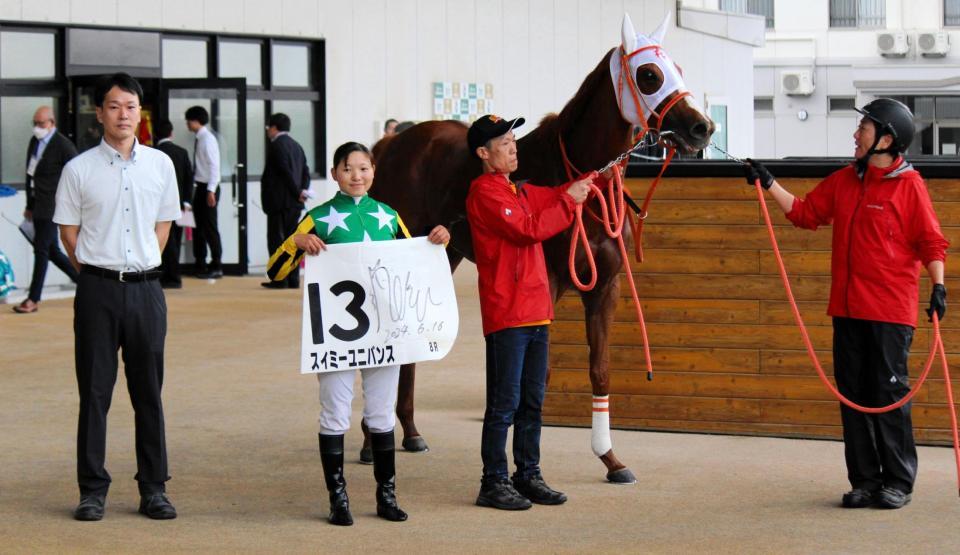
x=170, y=278
x=283, y=189
x=47, y=153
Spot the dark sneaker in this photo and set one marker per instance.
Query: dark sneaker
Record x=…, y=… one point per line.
x=858, y=498
x=501, y=495
x=213, y=273
x=90, y=508
x=536, y=490
x=157, y=506
x=892, y=498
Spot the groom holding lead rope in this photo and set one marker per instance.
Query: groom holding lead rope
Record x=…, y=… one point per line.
x=884, y=228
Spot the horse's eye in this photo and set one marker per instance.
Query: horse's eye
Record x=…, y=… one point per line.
x=648, y=75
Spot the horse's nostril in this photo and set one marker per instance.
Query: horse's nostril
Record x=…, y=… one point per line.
x=699, y=130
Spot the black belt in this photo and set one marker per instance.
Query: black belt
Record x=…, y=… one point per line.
x=124, y=277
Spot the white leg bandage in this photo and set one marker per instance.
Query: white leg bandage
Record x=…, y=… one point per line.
x=600, y=429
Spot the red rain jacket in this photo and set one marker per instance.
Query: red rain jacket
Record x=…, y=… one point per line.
x=507, y=229
x=884, y=228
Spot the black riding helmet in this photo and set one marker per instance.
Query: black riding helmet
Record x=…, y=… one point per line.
x=891, y=118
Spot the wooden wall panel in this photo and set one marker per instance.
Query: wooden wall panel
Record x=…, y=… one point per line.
x=727, y=355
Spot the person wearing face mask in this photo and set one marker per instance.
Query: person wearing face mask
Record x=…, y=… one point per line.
x=47, y=154
x=351, y=216
x=884, y=231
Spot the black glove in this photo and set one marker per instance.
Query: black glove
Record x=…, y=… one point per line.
x=938, y=302
x=754, y=170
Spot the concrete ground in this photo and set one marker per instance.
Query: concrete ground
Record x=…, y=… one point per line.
x=242, y=444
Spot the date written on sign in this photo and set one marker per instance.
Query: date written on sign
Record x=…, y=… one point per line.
x=377, y=303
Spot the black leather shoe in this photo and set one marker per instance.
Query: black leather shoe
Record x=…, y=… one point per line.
x=366, y=455
x=273, y=285
x=157, y=506
x=90, y=508
x=858, y=498
x=536, y=490
x=501, y=495
x=211, y=274
x=892, y=498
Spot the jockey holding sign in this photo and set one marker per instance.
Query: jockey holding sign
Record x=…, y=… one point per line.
x=349, y=217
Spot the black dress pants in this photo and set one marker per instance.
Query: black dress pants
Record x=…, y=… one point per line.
x=870, y=366
x=207, y=231
x=279, y=226
x=170, y=265
x=132, y=317
x=46, y=248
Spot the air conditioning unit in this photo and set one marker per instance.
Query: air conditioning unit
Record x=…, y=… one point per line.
x=933, y=44
x=797, y=83
x=893, y=44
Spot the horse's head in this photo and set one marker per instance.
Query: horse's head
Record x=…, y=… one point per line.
x=651, y=93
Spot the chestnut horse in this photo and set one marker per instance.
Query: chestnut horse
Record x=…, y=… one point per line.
x=425, y=173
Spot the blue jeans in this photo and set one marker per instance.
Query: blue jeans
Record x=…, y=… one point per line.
x=516, y=381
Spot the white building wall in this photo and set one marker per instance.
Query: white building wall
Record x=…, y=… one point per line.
x=845, y=63
x=383, y=55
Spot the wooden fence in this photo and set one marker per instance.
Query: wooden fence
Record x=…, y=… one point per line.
x=726, y=353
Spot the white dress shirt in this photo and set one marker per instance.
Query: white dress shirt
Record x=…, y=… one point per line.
x=206, y=159
x=117, y=204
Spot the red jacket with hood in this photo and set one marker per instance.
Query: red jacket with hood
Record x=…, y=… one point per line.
x=884, y=229
x=508, y=227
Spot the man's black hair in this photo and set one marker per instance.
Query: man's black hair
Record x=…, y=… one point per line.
x=162, y=130
x=198, y=114
x=279, y=120
x=122, y=81
x=386, y=124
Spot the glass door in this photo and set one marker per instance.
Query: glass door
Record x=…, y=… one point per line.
x=225, y=101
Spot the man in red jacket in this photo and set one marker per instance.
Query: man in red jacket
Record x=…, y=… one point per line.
x=508, y=223
x=884, y=229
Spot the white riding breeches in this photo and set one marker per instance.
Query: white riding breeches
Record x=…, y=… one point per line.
x=379, y=394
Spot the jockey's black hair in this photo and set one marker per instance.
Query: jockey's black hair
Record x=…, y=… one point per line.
x=346, y=149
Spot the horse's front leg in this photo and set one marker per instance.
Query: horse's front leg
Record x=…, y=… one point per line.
x=412, y=440
x=599, y=306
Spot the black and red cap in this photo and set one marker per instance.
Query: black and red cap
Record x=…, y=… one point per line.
x=489, y=127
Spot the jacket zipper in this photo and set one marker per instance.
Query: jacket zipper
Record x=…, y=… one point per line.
x=853, y=219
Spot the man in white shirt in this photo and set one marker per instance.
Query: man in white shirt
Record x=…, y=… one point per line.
x=206, y=174
x=114, y=206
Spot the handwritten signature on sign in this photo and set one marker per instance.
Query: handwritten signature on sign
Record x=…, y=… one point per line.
x=400, y=295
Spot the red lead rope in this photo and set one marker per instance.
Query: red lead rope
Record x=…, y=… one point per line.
x=613, y=216
x=937, y=347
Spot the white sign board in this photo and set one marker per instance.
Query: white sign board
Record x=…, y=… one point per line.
x=377, y=303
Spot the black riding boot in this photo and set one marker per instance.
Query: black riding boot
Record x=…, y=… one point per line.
x=331, y=455
x=385, y=473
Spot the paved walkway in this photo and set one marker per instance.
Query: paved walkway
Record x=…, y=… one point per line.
x=247, y=478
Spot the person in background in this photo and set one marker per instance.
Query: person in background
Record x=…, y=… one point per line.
x=181, y=164
x=284, y=188
x=390, y=127
x=47, y=154
x=884, y=231
x=206, y=196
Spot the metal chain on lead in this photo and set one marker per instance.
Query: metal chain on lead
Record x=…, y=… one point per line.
x=727, y=154
x=650, y=138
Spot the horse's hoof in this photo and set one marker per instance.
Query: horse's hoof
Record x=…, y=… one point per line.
x=621, y=477
x=415, y=444
x=366, y=455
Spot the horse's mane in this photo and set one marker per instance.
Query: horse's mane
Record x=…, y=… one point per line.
x=575, y=108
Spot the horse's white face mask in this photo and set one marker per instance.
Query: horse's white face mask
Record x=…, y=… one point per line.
x=638, y=104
